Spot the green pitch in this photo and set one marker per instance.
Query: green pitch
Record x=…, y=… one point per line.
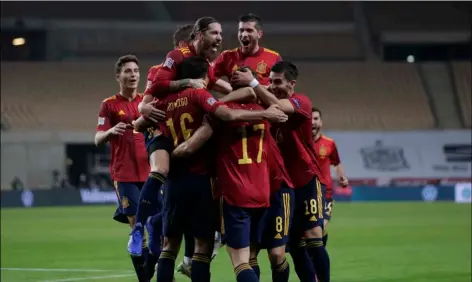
x=381, y=242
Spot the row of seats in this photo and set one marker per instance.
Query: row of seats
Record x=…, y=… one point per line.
x=463, y=83
x=353, y=96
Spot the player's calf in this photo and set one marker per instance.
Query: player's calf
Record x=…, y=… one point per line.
x=318, y=254
x=240, y=261
x=253, y=263
x=201, y=259
x=166, y=263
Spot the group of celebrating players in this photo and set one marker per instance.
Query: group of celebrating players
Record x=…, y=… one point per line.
x=252, y=165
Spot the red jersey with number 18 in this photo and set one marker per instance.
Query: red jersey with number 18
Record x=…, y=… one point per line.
x=296, y=144
x=185, y=111
x=242, y=161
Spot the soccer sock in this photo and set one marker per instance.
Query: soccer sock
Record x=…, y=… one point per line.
x=281, y=272
x=165, y=267
x=200, y=268
x=189, y=248
x=140, y=266
x=151, y=264
x=319, y=257
x=149, y=198
x=244, y=273
x=255, y=266
x=302, y=262
x=156, y=245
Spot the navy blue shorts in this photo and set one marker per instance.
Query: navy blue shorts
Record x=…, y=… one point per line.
x=278, y=218
x=154, y=140
x=189, y=206
x=242, y=226
x=308, y=211
x=128, y=199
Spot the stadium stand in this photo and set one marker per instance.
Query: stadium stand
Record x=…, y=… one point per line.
x=357, y=95
x=462, y=79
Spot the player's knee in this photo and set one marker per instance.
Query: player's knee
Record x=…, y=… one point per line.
x=325, y=224
x=132, y=221
x=203, y=246
x=277, y=255
x=315, y=232
x=238, y=256
x=159, y=162
x=171, y=244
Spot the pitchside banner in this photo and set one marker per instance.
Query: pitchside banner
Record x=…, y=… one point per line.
x=463, y=193
x=386, y=156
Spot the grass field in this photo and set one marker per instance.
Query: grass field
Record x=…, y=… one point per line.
x=373, y=242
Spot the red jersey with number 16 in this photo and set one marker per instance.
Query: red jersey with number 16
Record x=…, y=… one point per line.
x=185, y=111
x=167, y=72
x=129, y=160
x=296, y=144
x=242, y=161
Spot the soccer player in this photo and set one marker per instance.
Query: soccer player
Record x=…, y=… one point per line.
x=206, y=41
x=250, y=54
x=189, y=202
x=129, y=166
x=296, y=144
x=327, y=155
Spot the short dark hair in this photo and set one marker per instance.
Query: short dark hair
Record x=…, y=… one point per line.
x=201, y=25
x=193, y=67
x=182, y=33
x=315, y=109
x=289, y=69
x=123, y=60
x=251, y=18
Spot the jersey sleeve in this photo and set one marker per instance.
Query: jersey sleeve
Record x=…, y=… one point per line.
x=301, y=104
x=206, y=101
x=103, y=118
x=219, y=65
x=334, y=156
x=165, y=74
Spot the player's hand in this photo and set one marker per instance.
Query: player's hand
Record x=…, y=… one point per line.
x=343, y=181
x=242, y=78
x=274, y=114
x=197, y=83
x=151, y=112
x=120, y=128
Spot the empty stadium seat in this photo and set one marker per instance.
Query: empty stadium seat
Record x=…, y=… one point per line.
x=352, y=96
x=462, y=80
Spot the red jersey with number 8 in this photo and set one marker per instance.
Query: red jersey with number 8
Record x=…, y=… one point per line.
x=242, y=161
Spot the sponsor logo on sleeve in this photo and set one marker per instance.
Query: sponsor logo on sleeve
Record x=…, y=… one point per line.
x=101, y=121
x=168, y=63
x=211, y=101
x=297, y=103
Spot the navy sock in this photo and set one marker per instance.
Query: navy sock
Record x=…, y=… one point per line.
x=149, y=198
x=200, y=268
x=165, y=267
x=151, y=264
x=281, y=272
x=320, y=258
x=189, y=245
x=156, y=222
x=244, y=273
x=141, y=267
x=302, y=262
x=255, y=266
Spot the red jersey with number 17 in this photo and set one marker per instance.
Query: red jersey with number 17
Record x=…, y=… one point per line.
x=260, y=62
x=129, y=159
x=242, y=161
x=185, y=111
x=296, y=144
x=168, y=72
x=327, y=155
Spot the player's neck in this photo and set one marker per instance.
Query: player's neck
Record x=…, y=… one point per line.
x=252, y=51
x=317, y=136
x=196, y=46
x=129, y=94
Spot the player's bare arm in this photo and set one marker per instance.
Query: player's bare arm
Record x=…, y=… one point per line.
x=245, y=94
x=101, y=137
x=339, y=170
x=222, y=87
x=245, y=77
x=195, y=142
x=149, y=110
x=141, y=124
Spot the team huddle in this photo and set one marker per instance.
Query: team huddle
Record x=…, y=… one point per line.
x=250, y=170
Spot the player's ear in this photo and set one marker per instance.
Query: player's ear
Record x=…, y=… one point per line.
x=118, y=77
x=293, y=83
x=260, y=33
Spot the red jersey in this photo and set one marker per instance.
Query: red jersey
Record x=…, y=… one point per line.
x=260, y=62
x=296, y=143
x=151, y=75
x=326, y=154
x=168, y=72
x=185, y=111
x=242, y=161
x=277, y=170
x=129, y=159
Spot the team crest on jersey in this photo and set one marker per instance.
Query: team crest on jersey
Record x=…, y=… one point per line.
x=235, y=68
x=124, y=202
x=261, y=67
x=101, y=120
x=121, y=113
x=322, y=152
x=211, y=101
x=168, y=63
